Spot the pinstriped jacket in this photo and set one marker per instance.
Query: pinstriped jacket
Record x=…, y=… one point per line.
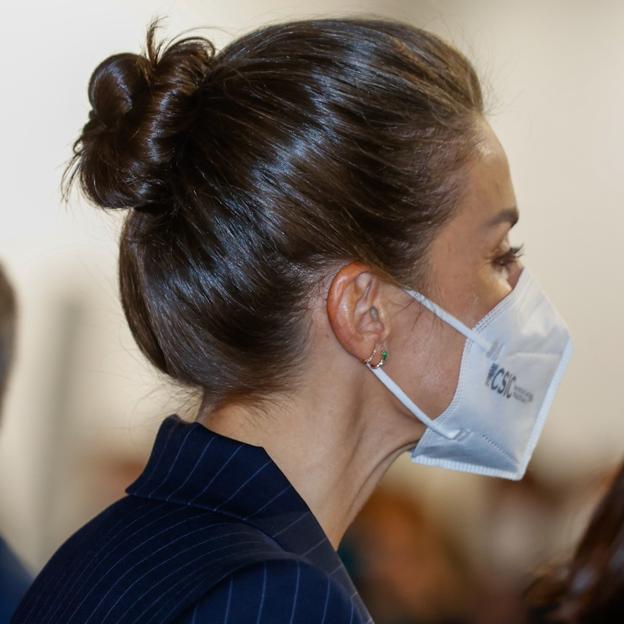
x=211, y=531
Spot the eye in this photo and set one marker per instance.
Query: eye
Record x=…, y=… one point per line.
x=509, y=257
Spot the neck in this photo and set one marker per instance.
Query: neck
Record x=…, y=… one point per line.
x=333, y=453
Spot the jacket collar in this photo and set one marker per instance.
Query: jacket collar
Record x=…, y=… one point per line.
x=193, y=465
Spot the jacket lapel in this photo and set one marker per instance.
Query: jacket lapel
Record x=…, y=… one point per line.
x=192, y=465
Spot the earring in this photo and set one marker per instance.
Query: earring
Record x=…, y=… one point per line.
x=382, y=360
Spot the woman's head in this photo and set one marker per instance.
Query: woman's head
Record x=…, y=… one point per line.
x=336, y=154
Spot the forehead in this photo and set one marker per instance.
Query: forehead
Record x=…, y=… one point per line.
x=489, y=189
x=488, y=193
x=478, y=224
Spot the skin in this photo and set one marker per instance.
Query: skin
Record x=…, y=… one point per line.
x=340, y=431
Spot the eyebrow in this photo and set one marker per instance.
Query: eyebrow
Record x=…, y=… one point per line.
x=510, y=215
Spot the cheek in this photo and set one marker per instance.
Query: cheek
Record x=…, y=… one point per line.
x=431, y=357
x=492, y=287
x=482, y=289
x=446, y=345
x=443, y=373
x=428, y=352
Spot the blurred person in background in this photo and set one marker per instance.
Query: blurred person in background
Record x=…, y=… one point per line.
x=14, y=577
x=320, y=200
x=411, y=569
x=589, y=589
x=407, y=567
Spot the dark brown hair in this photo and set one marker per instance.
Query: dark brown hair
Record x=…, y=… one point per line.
x=253, y=172
x=590, y=589
x=7, y=330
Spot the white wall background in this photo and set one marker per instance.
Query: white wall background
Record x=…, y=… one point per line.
x=554, y=72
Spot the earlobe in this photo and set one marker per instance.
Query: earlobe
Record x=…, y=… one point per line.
x=353, y=311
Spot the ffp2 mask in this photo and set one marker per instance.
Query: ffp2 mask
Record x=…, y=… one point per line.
x=511, y=366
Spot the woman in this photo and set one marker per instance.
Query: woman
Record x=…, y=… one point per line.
x=290, y=200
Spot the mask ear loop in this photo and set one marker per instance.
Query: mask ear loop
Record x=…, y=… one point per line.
x=452, y=434
x=454, y=322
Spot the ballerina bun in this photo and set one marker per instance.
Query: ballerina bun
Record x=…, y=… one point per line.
x=141, y=107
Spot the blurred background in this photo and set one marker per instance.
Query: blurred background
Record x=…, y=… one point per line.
x=83, y=406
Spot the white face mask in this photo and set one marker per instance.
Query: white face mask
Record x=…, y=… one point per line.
x=512, y=363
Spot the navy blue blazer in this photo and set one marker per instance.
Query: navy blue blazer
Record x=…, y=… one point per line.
x=211, y=531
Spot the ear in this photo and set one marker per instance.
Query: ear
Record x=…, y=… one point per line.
x=356, y=310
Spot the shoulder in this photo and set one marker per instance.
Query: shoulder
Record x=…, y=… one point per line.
x=275, y=591
x=139, y=557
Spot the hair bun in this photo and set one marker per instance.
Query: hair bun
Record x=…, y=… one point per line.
x=115, y=86
x=141, y=106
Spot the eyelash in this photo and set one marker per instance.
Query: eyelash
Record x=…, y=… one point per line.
x=510, y=256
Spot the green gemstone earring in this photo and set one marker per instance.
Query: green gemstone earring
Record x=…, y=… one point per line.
x=382, y=360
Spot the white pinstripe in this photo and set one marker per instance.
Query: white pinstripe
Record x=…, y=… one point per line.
x=263, y=594
x=162, y=453
x=292, y=613
x=288, y=487
x=190, y=474
x=53, y=593
x=172, y=588
x=229, y=459
x=326, y=600
x=139, y=530
x=138, y=546
x=151, y=554
x=307, y=552
x=173, y=463
x=297, y=519
x=226, y=617
x=88, y=562
x=192, y=575
x=192, y=547
x=240, y=487
x=335, y=569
